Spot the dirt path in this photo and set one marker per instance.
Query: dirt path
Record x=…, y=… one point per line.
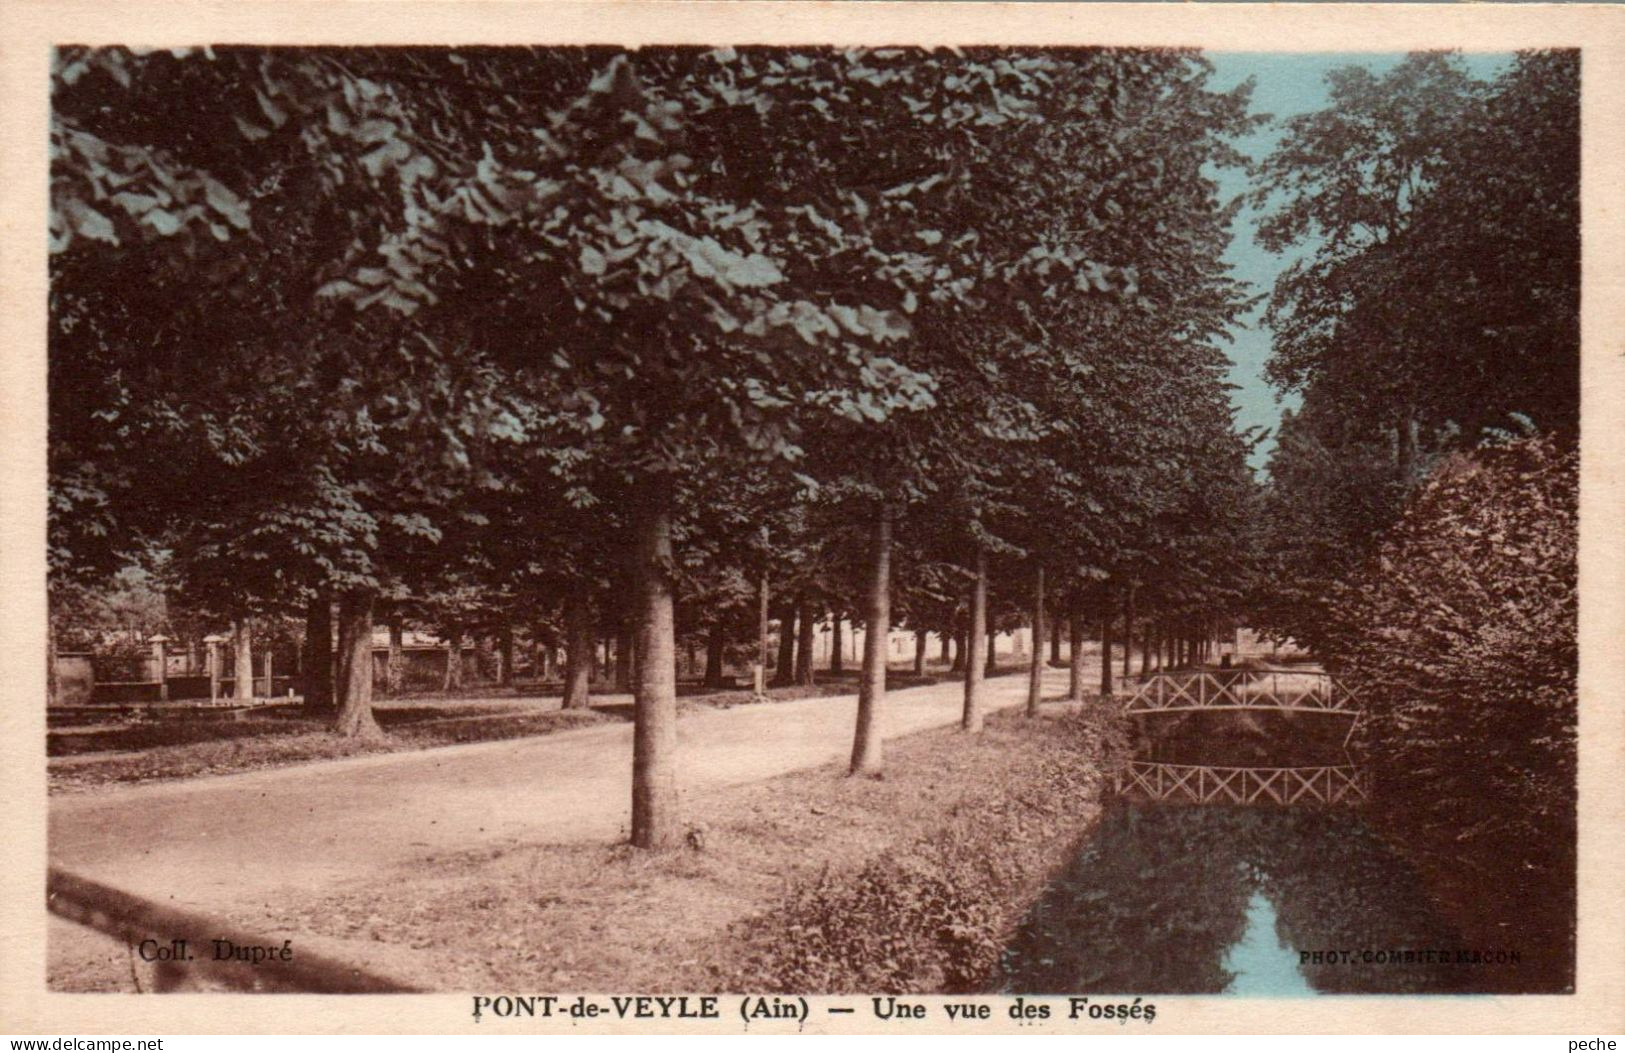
x=239, y=840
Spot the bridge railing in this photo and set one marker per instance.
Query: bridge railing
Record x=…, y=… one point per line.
x=1210, y=783
x=1242, y=689
x=179, y=948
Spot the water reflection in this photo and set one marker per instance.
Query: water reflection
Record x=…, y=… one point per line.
x=1259, y=964
x=1209, y=899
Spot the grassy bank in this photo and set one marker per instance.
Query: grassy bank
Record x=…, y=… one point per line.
x=811, y=881
x=156, y=753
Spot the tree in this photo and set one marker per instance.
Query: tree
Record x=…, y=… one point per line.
x=1035, y=660
x=1419, y=518
x=715, y=284
x=713, y=323
x=1441, y=293
x=1440, y=296
x=200, y=202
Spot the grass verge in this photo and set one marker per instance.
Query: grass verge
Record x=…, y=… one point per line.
x=188, y=751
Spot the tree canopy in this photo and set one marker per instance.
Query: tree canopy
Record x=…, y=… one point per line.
x=492, y=333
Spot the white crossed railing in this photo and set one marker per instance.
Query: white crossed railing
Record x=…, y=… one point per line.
x=1240, y=689
x=1207, y=783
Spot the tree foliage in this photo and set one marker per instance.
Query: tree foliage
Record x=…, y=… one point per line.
x=1437, y=299
x=1460, y=636
x=493, y=332
x=1440, y=290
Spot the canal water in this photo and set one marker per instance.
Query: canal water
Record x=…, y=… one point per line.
x=1254, y=900
x=1219, y=899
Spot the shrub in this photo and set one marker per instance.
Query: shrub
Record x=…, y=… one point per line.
x=1460, y=636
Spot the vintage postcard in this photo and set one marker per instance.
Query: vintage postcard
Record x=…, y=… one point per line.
x=826, y=518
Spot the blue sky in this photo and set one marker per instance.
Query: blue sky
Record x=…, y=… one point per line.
x=1287, y=84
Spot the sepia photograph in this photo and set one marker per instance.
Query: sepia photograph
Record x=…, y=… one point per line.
x=1039, y=528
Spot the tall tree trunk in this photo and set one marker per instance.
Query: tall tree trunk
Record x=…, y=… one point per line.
x=395, y=660
x=958, y=665
x=991, y=663
x=784, y=668
x=1054, y=641
x=354, y=718
x=454, y=660
x=505, y=654
x=868, y=744
x=1035, y=661
x=1074, y=632
x=716, y=642
x=976, y=635
x=919, y=652
x=1106, y=641
x=806, y=620
x=1128, y=630
x=318, y=655
x=655, y=822
x=1147, y=642
x=946, y=639
x=242, y=640
x=580, y=650
x=837, y=661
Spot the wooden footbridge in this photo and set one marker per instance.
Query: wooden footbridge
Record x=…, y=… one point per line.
x=1242, y=689
x=1232, y=690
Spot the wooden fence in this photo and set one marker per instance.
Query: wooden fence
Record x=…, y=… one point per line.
x=1242, y=689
